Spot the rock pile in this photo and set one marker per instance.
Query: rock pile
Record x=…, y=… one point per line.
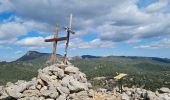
x=55, y=82
x=133, y=94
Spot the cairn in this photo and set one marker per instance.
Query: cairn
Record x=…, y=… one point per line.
x=55, y=82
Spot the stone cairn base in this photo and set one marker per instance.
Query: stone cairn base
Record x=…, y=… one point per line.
x=55, y=82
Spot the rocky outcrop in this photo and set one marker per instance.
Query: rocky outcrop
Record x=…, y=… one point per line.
x=55, y=82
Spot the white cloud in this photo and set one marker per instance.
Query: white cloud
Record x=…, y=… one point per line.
x=96, y=43
x=32, y=42
x=5, y=5
x=157, y=6
x=10, y=30
x=154, y=26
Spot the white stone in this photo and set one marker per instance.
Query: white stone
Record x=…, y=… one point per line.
x=57, y=71
x=77, y=86
x=51, y=93
x=124, y=96
x=3, y=94
x=65, y=90
x=1, y=89
x=30, y=93
x=38, y=87
x=9, y=84
x=71, y=69
x=13, y=91
x=164, y=90
x=91, y=93
x=83, y=95
x=65, y=80
x=151, y=95
x=44, y=77
x=62, y=97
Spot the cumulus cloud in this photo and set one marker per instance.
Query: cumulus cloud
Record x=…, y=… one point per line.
x=32, y=42
x=9, y=31
x=132, y=23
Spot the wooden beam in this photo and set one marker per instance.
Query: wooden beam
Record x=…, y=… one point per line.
x=56, y=39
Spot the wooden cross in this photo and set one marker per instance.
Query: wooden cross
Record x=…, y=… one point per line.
x=56, y=39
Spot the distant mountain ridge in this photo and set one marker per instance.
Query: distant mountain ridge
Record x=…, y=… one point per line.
x=31, y=55
x=90, y=56
x=150, y=72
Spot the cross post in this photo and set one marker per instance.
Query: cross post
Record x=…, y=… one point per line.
x=68, y=30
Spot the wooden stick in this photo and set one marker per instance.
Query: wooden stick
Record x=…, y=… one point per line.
x=56, y=39
x=54, y=58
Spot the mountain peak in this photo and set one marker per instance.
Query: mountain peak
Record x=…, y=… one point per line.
x=32, y=53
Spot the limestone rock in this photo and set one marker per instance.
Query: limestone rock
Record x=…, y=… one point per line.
x=65, y=90
x=31, y=98
x=51, y=93
x=102, y=90
x=125, y=97
x=65, y=80
x=57, y=71
x=1, y=89
x=91, y=93
x=151, y=95
x=14, y=90
x=14, y=94
x=30, y=93
x=164, y=90
x=83, y=95
x=62, y=97
x=77, y=86
x=71, y=69
x=3, y=93
x=164, y=97
x=43, y=76
x=89, y=85
x=9, y=84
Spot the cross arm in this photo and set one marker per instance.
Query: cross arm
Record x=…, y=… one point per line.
x=56, y=39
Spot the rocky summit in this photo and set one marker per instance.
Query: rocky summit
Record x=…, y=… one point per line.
x=55, y=82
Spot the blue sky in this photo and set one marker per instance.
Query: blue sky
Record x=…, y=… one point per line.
x=108, y=27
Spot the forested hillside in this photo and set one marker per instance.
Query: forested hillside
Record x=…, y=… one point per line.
x=148, y=72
